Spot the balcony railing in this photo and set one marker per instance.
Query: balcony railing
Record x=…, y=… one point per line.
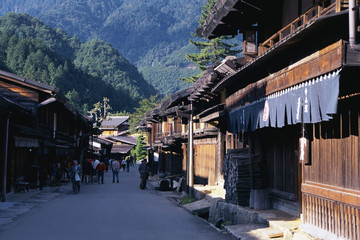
x=302, y=21
x=174, y=131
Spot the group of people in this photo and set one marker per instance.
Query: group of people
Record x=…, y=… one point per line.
x=92, y=168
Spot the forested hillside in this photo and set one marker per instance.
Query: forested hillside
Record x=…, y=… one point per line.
x=84, y=72
x=144, y=32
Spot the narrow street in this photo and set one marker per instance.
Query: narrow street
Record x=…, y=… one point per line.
x=109, y=211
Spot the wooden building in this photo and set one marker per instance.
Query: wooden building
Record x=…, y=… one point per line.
x=166, y=134
x=115, y=129
x=292, y=106
x=100, y=147
x=114, y=125
x=40, y=129
x=185, y=133
x=122, y=146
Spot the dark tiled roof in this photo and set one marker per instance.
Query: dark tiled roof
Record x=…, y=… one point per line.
x=102, y=141
x=29, y=82
x=114, y=121
x=124, y=149
x=123, y=139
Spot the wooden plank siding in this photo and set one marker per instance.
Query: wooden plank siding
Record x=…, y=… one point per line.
x=205, y=156
x=331, y=187
x=184, y=160
x=318, y=63
x=279, y=153
x=335, y=151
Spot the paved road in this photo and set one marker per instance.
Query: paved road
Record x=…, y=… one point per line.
x=109, y=211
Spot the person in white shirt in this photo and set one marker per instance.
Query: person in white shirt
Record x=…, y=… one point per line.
x=123, y=164
x=115, y=167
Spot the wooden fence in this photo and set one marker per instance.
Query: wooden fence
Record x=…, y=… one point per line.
x=336, y=217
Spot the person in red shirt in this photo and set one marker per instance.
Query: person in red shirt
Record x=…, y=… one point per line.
x=101, y=167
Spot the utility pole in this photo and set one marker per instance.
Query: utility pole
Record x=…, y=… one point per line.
x=352, y=23
x=191, y=152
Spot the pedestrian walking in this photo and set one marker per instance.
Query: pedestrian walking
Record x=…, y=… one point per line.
x=144, y=173
x=75, y=172
x=87, y=171
x=101, y=167
x=128, y=162
x=123, y=164
x=131, y=158
x=115, y=167
x=134, y=159
x=107, y=163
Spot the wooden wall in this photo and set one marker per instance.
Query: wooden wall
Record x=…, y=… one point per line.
x=279, y=152
x=331, y=187
x=335, y=150
x=171, y=162
x=204, y=161
x=184, y=160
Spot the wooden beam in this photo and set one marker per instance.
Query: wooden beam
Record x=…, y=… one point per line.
x=316, y=64
x=342, y=195
x=182, y=114
x=212, y=116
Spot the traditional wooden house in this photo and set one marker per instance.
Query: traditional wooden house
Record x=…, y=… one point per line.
x=186, y=132
x=114, y=125
x=122, y=146
x=114, y=129
x=166, y=133
x=293, y=115
x=100, y=147
x=41, y=129
x=207, y=135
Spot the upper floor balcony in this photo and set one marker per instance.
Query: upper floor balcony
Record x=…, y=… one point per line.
x=265, y=24
x=323, y=8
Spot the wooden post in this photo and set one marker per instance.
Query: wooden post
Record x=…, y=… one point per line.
x=338, y=5
x=220, y=157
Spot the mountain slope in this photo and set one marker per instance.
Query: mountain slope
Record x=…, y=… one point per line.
x=85, y=72
x=139, y=29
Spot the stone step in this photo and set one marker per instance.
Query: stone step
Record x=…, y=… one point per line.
x=271, y=233
x=201, y=206
x=285, y=225
x=248, y=231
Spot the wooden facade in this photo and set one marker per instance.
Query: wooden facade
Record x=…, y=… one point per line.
x=43, y=130
x=291, y=103
x=331, y=191
x=170, y=131
x=114, y=126
x=305, y=157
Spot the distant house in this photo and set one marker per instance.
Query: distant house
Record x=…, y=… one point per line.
x=114, y=125
x=122, y=145
x=100, y=147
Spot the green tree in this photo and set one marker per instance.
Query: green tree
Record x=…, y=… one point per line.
x=101, y=110
x=140, y=151
x=211, y=51
x=145, y=105
x=74, y=98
